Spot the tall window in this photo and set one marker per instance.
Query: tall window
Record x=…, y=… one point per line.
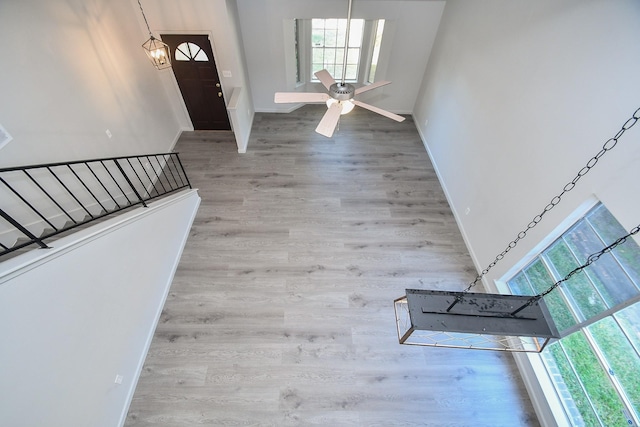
x=296, y=40
x=377, y=41
x=595, y=367
x=328, y=38
x=320, y=44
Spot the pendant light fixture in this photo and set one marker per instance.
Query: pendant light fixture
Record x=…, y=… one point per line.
x=481, y=321
x=157, y=51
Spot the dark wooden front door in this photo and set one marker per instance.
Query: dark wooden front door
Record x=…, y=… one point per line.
x=195, y=70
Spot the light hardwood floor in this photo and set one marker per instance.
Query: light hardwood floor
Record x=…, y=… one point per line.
x=281, y=311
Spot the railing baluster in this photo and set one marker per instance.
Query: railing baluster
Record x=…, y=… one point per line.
x=103, y=186
x=130, y=183
x=169, y=164
x=158, y=179
x=28, y=204
x=115, y=181
x=163, y=173
x=22, y=229
x=50, y=197
x=139, y=179
x=182, y=169
x=151, y=183
x=87, y=188
x=168, y=172
x=70, y=192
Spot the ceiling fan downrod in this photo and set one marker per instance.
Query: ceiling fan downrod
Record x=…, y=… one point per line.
x=346, y=45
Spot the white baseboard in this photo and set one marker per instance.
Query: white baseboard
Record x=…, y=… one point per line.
x=166, y=288
x=550, y=414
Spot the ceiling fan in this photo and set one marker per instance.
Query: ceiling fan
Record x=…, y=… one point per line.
x=341, y=97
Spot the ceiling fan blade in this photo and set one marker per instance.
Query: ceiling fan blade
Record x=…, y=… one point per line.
x=325, y=78
x=385, y=113
x=306, y=97
x=330, y=120
x=372, y=86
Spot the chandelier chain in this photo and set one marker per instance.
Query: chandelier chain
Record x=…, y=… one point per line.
x=607, y=146
x=145, y=19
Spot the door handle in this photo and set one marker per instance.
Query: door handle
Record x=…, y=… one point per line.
x=219, y=94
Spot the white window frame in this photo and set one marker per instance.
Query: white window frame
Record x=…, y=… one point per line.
x=545, y=399
x=366, y=52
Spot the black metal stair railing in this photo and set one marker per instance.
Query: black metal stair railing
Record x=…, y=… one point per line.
x=38, y=202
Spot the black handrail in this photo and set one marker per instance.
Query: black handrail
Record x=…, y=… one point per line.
x=37, y=198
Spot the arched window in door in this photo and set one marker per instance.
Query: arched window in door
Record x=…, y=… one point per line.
x=190, y=52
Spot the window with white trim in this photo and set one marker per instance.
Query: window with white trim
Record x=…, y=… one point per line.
x=595, y=366
x=319, y=44
x=375, y=54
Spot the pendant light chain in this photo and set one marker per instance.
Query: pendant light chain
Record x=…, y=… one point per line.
x=608, y=145
x=145, y=19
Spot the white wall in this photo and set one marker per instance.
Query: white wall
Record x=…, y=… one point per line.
x=415, y=24
x=518, y=96
x=74, y=317
x=72, y=69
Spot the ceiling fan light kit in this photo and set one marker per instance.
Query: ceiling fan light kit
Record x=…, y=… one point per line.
x=341, y=97
x=345, y=106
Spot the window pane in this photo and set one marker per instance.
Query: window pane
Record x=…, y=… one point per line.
x=331, y=23
x=569, y=387
x=623, y=361
x=329, y=56
x=338, y=72
x=318, y=55
x=579, y=289
x=609, y=278
x=315, y=68
x=605, y=224
x=342, y=37
x=352, y=72
x=519, y=285
x=317, y=38
x=330, y=38
x=180, y=55
x=604, y=398
x=609, y=229
x=541, y=281
x=355, y=33
x=629, y=320
x=376, y=50
x=353, y=57
x=297, y=39
x=201, y=56
x=194, y=48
